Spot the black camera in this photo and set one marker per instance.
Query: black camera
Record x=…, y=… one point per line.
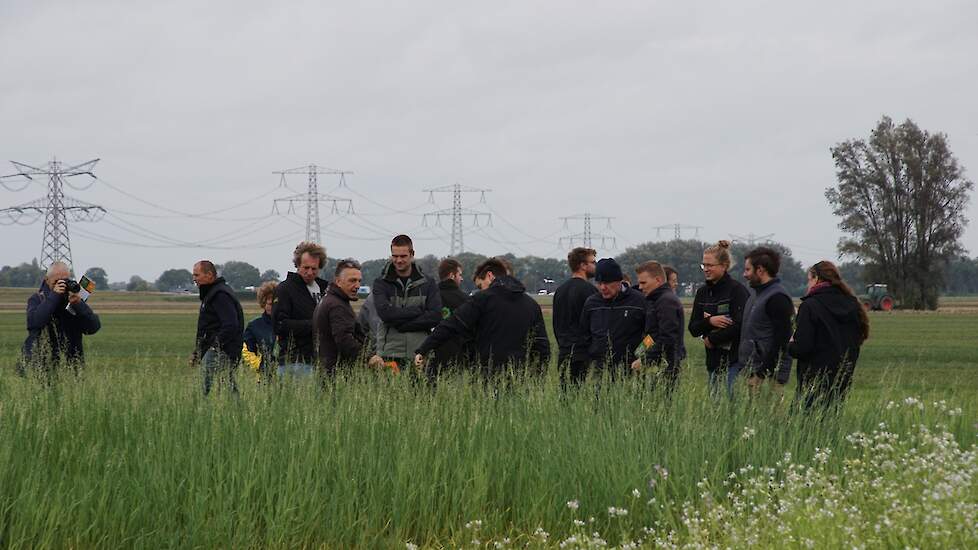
x=71, y=285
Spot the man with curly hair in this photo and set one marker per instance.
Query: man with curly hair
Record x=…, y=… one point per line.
x=296, y=299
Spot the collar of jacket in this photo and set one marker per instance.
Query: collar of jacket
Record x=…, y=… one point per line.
x=658, y=292
x=509, y=284
x=447, y=284
x=821, y=288
x=390, y=274
x=204, y=289
x=336, y=291
x=620, y=296
x=721, y=281
x=294, y=277
x=758, y=289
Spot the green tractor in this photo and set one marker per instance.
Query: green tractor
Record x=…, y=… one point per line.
x=877, y=298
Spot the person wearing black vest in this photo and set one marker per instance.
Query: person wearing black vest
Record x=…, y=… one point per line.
x=718, y=316
x=831, y=327
x=613, y=319
x=295, y=301
x=767, y=321
x=455, y=351
x=572, y=356
x=220, y=327
x=663, y=323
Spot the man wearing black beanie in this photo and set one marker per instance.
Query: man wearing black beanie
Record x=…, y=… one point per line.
x=613, y=319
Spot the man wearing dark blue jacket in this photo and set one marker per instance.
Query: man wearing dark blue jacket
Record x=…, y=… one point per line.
x=56, y=321
x=613, y=320
x=220, y=327
x=663, y=323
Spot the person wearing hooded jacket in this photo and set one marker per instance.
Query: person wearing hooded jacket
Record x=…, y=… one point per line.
x=613, y=320
x=506, y=324
x=54, y=333
x=408, y=304
x=830, y=328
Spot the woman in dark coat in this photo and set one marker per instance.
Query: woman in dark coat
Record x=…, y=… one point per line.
x=831, y=327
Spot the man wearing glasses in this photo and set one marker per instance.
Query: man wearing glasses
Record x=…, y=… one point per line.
x=717, y=316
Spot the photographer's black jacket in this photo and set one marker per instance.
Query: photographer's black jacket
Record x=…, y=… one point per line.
x=48, y=318
x=220, y=323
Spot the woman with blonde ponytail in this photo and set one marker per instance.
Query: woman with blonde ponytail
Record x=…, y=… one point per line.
x=717, y=316
x=831, y=327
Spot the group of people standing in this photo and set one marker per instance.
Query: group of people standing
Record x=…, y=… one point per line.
x=412, y=322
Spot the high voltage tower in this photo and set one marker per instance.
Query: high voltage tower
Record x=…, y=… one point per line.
x=55, y=207
x=677, y=229
x=752, y=239
x=586, y=237
x=456, y=212
x=312, y=197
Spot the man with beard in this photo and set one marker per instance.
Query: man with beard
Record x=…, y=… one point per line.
x=767, y=321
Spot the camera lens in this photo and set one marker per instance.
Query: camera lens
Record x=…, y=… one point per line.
x=72, y=285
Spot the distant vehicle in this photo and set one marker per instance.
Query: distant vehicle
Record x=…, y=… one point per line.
x=542, y=292
x=364, y=291
x=877, y=298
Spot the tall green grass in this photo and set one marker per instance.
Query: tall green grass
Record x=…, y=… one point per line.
x=125, y=458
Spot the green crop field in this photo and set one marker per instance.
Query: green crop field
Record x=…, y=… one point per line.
x=130, y=455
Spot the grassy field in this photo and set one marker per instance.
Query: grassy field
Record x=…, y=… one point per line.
x=130, y=455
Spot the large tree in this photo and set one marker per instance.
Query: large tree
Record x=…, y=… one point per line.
x=902, y=198
x=240, y=274
x=175, y=279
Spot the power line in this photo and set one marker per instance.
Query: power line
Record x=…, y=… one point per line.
x=751, y=239
x=56, y=207
x=677, y=229
x=457, y=212
x=312, y=197
x=587, y=236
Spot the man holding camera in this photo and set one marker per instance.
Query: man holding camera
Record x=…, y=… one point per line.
x=54, y=330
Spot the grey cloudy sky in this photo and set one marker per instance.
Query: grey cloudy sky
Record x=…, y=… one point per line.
x=716, y=114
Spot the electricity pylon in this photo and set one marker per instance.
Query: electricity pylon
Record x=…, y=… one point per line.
x=457, y=212
x=586, y=237
x=312, y=197
x=55, y=207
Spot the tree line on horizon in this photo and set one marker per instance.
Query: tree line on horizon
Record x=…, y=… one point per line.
x=960, y=276
x=901, y=197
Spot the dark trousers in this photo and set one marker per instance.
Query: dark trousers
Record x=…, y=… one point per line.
x=573, y=368
x=216, y=365
x=824, y=387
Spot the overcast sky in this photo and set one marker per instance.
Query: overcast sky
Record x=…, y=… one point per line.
x=718, y=115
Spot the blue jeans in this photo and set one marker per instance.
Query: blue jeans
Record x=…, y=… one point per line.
x=212, y=364
x=716, y=376
x=297, y=370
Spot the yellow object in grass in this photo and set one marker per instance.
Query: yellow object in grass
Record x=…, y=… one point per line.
x=253, y=360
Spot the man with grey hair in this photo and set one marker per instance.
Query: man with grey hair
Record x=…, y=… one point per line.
x=55, y=330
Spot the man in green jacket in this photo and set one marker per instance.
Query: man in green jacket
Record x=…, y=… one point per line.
x=407, y=302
